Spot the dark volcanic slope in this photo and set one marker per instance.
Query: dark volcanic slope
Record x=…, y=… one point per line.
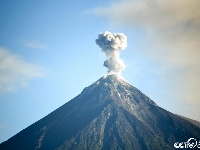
x=192, y=121
x=109, y=114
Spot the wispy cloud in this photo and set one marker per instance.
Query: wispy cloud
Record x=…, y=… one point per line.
x=15, y=72
x=34, y=44
x=172, y=40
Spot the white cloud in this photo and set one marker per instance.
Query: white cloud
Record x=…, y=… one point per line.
x=15, y=72
x=33, y=44
x=151, y=13
x=172, y=40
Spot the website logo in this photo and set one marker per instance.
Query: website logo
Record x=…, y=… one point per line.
x=191, y=143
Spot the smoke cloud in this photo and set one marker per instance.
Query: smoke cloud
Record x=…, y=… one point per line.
x=111, y=44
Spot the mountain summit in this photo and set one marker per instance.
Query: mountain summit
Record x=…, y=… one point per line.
x=109, y=114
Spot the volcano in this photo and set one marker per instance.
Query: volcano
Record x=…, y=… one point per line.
x=110, y=114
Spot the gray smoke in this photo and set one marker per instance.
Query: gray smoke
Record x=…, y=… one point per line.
x=111, y=44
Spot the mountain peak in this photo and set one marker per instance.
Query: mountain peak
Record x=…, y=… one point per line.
x=117, y=89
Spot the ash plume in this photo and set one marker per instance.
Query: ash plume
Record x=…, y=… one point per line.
x=111, y=44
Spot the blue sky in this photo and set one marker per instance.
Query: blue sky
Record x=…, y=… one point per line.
x=48, y=54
